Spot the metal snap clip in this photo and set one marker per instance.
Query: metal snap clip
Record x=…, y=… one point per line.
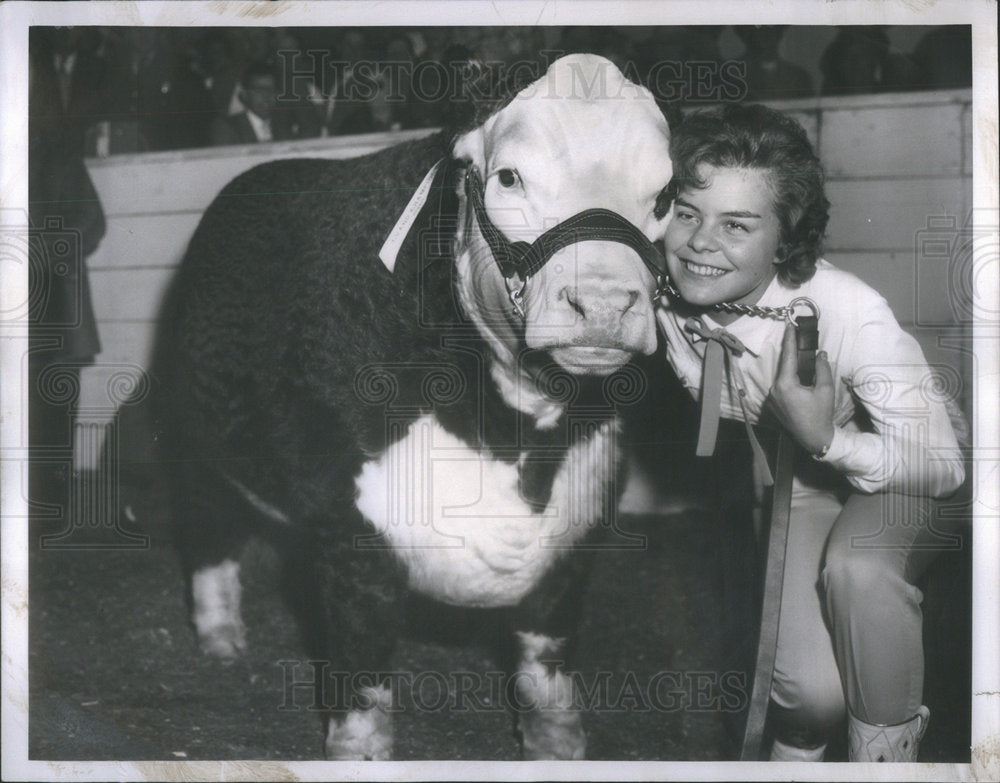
x=515, y=292
x=805, y=301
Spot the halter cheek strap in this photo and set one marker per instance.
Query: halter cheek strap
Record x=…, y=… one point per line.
x=520, y=260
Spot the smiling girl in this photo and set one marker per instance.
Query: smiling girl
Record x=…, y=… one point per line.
x=743, y=243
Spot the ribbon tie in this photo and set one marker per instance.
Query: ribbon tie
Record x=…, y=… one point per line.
x=720, y=347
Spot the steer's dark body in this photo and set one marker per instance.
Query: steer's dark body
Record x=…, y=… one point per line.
x=409, y=428
x=279, y=318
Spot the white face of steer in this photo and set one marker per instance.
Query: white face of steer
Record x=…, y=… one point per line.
x=581, y=137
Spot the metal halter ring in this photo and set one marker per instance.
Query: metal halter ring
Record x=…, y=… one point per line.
x=663, y=288
x=802, y=300
x=515, y=292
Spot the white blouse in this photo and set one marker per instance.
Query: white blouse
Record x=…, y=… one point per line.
x=876, y=364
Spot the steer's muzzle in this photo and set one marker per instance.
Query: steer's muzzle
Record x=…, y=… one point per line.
x=592, y=321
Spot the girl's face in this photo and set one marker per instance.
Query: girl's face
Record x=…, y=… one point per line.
x=722, y=241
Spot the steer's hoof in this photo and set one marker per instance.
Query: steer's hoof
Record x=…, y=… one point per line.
x=225, y=642
x=215, y=611
x=362, y=735
x=552, y=734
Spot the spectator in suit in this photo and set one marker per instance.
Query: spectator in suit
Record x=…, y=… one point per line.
x=944, y=57
x=67, y=225
x=187, y=99
x=217, y=67
x=136, y=96
x=259, y=95
x=350, y=92
x=394, y=104
x=300, y=101
x=769, y=76
x=860, y=60
x=68, y=63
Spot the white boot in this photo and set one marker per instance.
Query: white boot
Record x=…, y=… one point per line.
x=876, y=742
x=783, y=752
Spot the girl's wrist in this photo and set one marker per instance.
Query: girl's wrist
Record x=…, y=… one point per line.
x=820, y=449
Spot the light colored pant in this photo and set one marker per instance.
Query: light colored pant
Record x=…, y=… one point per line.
x=850, y=613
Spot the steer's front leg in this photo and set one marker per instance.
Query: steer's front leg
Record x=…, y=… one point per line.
x=544, y=625
x=351, y=620
x=548, y=710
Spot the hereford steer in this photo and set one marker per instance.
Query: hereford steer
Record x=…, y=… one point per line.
x=408, y=365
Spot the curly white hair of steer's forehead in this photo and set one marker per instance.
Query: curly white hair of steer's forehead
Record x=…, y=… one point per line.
x=584, y=77
x=599, y=94
x=581, y=77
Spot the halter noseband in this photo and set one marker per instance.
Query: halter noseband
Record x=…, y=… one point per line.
x=518, y=261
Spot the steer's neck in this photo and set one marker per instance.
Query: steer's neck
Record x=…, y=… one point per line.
x=520, y=391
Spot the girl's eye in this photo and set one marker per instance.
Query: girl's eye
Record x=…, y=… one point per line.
x=737, y=228
x=686, y=217
x=508, y=177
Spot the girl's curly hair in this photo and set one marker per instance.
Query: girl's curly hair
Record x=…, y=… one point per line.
x=757, y=137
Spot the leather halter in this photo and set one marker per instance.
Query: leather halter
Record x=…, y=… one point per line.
x=518, y=261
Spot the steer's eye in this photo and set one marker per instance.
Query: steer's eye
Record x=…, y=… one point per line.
x=508, y=177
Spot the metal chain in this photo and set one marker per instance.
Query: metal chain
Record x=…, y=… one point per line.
x=778, y=313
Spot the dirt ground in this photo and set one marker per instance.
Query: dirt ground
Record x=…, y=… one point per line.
x=116, y=674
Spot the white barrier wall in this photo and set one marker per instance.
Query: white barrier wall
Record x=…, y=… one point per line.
x=899, y=179
x=152, y=204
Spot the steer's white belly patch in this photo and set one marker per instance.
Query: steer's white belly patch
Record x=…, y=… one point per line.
x=456, y=520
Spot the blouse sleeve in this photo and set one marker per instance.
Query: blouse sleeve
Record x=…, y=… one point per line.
x=913, y=448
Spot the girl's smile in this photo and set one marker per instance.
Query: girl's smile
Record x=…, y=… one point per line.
x=702, y=270
x=723, y=239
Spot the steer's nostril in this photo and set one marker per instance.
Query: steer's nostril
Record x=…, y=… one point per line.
x=575, y=301
x=590, y=302
x=615, y=300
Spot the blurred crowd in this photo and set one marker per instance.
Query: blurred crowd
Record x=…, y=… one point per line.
x=120, y=89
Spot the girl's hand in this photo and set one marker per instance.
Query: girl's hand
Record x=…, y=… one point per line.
x=805, y=411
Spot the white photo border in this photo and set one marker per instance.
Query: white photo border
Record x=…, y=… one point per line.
x=16, y=17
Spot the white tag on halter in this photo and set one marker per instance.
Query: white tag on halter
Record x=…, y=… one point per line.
x=392, y=244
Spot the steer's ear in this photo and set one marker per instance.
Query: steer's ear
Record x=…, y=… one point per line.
x=672, y=111
x=480, y=90
x=471, y=90
x=470, y=148
x=474, y=92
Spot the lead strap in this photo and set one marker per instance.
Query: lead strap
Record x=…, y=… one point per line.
x=721, y=347
x=806, y=343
